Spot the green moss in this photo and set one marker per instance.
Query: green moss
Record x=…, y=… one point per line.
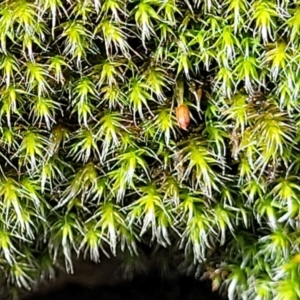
x=93, y=159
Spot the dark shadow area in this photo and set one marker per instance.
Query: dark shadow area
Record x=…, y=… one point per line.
x=142, y=288
x=113, y=279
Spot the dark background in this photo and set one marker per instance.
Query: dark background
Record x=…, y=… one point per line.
x=106, y=281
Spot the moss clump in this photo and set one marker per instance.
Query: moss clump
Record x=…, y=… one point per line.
x=94, y=160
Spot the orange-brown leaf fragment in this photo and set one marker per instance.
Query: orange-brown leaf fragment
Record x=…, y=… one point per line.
x=183, y=116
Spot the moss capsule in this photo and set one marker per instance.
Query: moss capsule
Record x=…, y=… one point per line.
x=183, y=116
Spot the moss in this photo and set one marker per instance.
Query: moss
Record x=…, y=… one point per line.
x=93, y=160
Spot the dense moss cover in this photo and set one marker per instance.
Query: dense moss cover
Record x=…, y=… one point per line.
x=93, y=158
